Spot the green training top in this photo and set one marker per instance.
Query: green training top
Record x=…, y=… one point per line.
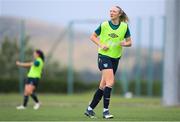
x=112, y=39
x=36, y=70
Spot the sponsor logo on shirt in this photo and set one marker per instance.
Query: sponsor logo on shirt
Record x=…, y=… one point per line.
x=113, y=35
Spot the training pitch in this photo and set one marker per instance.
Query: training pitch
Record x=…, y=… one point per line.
x=59, y=107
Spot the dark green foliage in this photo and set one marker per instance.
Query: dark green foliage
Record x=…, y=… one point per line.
x=60, y=86
x=54, y=76
x=118, y=89
x=46, y=86
x=9, y=54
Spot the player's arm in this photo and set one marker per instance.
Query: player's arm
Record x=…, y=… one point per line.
x=94, y=38
x=24, y=64
x=127, y=42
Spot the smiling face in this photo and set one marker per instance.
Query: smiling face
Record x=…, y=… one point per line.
x=115, y=13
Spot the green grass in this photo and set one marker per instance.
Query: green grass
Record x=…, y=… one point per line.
x=71, y=108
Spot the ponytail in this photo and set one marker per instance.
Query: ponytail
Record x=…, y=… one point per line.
x=123, y=17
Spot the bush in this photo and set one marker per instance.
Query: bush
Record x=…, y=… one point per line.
x=9, y=85
x=156, y=91
x=46, y=86
x=60, y=86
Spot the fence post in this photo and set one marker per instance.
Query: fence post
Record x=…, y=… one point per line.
x=138, y=60
x=124, y=81
x=163, y=50
x=70, y=75
x=22, y=53
x=150, y=57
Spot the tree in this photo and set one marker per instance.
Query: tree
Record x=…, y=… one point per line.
x=9, y=53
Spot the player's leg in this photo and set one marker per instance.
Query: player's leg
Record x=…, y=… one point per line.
x=108, y=76
x=34, y=97
x=26, y=98
x=96, y=99
x=99, y=92
x=33, y=93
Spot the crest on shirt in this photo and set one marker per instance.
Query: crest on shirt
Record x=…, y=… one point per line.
x=113, y=35
x=105, y=65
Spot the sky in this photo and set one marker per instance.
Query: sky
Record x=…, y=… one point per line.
x=61, y=12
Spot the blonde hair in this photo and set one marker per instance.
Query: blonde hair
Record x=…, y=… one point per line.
x=123, y=17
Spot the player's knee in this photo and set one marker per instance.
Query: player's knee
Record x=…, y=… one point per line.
x=29, y=91
x=25, y=93
x=102, y=87
x=110, y=83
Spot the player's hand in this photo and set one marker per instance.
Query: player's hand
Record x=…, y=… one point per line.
x=18, y=63
x=123, y=43
x=104, y=47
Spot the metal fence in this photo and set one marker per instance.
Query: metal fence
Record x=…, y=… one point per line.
x=142, y=62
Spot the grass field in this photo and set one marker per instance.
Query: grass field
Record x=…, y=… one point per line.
x=71, y=108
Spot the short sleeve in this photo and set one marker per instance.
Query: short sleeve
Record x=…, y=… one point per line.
x=98, y=30
x=128, y=34
x=36, y=63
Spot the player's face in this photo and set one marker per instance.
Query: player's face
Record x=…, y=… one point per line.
x=114, y=13
x=35, y=55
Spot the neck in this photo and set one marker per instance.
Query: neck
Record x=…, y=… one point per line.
x=115, y=22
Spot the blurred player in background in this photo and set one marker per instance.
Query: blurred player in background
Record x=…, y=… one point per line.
x=113, y=36
x=33, y=77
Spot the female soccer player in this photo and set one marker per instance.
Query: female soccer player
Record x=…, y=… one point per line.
x=113, y=36
x=33, y=77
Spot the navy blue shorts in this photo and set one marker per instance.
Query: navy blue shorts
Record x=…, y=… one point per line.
x=32, y=81
x=106, y=62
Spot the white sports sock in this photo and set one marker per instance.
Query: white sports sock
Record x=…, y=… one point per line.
x=105, y=109
x=89, y=108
